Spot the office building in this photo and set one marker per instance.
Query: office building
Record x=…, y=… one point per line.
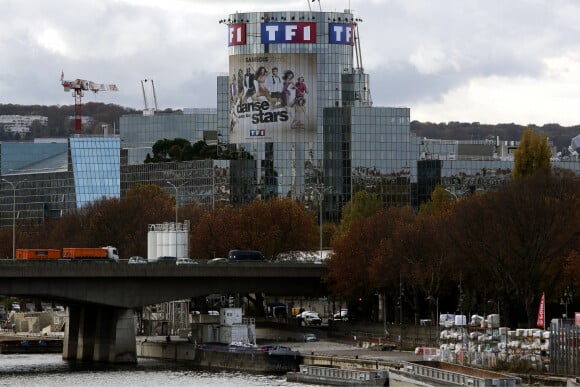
x=295, y=106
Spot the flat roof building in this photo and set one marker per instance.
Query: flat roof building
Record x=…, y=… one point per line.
x=296, y=107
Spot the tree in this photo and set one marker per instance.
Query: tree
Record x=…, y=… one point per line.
x=361, y=205
x=358, y=254
x=521, y=235
x=275, y=226
x=532, y=156
x=440, y=200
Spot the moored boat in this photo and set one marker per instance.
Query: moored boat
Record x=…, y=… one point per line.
x=30, y=346
x=267, y=359
x=332, y=376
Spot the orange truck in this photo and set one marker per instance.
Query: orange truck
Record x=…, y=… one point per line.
x=37, y=254
x=105, y=253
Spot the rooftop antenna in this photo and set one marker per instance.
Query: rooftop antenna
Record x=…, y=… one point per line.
x=144, y=95
x=310, y=9
x=154, y=95
x=147, y=110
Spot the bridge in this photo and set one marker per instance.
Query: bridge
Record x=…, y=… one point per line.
x=101, y=295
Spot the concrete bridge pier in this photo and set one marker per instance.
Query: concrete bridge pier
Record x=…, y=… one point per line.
x=100, y=333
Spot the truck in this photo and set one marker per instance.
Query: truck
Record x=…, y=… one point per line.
x=74, y=253
x=38, y=254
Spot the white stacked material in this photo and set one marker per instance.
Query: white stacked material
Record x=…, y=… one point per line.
x=461, y=320
x=493, y=320
x=476, y=320
x=546, y=335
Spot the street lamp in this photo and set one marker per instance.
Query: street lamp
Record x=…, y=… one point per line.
x=176, y=213
x=14, y=185
x=566, y=299
x=436, y=300
x=320, y=192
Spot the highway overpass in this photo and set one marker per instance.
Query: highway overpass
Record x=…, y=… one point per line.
x=130, y=286
x=101, y=295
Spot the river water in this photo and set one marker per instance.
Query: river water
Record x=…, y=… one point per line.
x=51, y=370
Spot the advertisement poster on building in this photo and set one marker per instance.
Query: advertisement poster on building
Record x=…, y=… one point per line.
x=272, y=98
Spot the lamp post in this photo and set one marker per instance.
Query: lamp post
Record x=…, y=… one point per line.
x=436, y=299
x=566, y=299
x=176, y=213
x=13, y=185
x=320, y=192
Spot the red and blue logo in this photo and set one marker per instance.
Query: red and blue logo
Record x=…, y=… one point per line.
x=341, y=33
x=304, y=32
x=236, y=34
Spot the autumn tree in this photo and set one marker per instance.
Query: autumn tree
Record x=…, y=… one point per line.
x=275, y=226
x=122, y=223
x=522, y=235
x=440, y=200
x=532, y=155
x=358, y=255
x=361, y=205
x=422, y=256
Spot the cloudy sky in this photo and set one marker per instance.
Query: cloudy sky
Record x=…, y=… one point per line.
x=491, y=61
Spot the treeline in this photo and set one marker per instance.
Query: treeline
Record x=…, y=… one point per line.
x=485, y=252
x=476, y=255
x=61, y=119
x=561, y=136
x=60, y=124
x=273, y=227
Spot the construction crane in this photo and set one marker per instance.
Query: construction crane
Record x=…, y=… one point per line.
x=78, y=86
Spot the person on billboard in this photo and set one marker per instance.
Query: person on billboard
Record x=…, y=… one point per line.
x=288, y=90
x=249, y=85
x=233, y=90
x=274, y=85
x=299, y=113
x=240, y=85
x=301, y=89
x=260, y=80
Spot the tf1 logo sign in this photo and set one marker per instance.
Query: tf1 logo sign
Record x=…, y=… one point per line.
x=257, y=132
x=341, y=33
x=236, y=34
x=288, y=32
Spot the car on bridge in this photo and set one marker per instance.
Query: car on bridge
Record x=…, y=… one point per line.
x=185, y=261
x=245, y=255
x=217, y=261
x=168, y=259
x=136, y=259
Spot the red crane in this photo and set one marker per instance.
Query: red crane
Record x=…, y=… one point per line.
x=77, y=86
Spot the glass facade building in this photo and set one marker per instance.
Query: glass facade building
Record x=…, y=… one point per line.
x=300, y=105
x=295, y=106
x=95, y=163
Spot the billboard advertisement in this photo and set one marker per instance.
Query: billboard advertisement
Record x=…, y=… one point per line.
x=272, y=98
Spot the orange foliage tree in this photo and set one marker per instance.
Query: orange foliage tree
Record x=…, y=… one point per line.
x=521, y=237
x=275, y=226
x=359, y=254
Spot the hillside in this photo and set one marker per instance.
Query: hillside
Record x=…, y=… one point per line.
x=61, y=125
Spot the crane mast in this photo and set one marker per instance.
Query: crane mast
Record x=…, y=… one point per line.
x=78, y=86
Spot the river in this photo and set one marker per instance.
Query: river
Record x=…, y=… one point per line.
x=51, y=370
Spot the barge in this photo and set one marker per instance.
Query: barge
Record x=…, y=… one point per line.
x=19, y=346
x=267, y=359
x=331, y=376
